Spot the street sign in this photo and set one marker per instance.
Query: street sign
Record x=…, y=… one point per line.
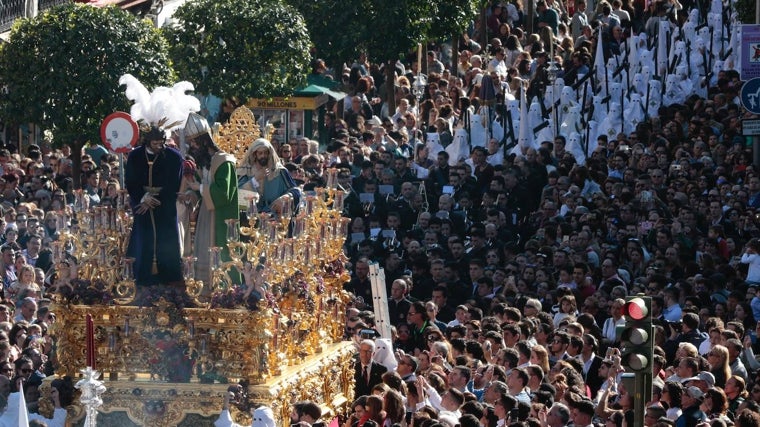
x=750, y=95
x=750, y=51
x=119, y=132
x=751, y=127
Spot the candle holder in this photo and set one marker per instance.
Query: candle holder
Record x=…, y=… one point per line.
x=91, y=390
x=193, y=287
x=233, y=230
x=295, y=260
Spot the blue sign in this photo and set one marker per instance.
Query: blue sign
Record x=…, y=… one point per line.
x=750, y=52
x=750, y=95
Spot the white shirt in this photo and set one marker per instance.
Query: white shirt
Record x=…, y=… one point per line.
x=587, y=363
x=496, y=158
x=498, y=66
x=610, y=326
x=705, y=347
x=58, y=420
x=753, y=275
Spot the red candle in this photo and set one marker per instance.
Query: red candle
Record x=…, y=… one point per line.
x=90, y=342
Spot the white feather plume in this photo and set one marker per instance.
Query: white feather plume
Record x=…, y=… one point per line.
x=165, y=107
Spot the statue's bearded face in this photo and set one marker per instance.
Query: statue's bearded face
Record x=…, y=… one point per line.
x=200, y=153
x=262, y=156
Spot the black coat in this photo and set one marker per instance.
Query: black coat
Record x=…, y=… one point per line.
x=592, y=378
x=362, y=387
x=156, y=231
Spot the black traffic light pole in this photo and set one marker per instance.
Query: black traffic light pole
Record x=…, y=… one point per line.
x=637, y=351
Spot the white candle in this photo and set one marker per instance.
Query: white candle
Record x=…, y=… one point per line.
x=419, y=58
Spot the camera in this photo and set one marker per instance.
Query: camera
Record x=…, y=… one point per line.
x=368, y=334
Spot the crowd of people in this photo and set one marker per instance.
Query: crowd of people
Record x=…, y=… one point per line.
x=506, y=269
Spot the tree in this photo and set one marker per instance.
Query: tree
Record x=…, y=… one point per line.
x=61, y=69
x=452, y=20
x=453, y=17
x=249, y=49
x=385, y=29
x=746, y=10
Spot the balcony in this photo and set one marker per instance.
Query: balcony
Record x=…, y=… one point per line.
x=10, y=10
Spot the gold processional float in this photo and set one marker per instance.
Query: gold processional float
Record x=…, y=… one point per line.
x=165, y=364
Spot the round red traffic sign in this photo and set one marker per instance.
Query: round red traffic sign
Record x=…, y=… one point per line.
x=119, y=132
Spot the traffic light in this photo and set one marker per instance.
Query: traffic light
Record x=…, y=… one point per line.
x=636, y=351
x=637, y=337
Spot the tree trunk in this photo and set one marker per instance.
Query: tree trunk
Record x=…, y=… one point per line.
x=454, y=53
x=390, y=86
x=484, y=25
x=76, y=163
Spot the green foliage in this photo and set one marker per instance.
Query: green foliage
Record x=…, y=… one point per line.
x=61, y=69
x=246, y=49
x=333, y=26
x=746, y=9
x=396, y=26
x=453, y=18
x=387, y=29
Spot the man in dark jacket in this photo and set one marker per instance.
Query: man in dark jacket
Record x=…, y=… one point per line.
x=368, y=373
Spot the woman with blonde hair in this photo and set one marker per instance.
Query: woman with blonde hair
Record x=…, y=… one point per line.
x=546, y=36
x=25, y=284
x=539, y=356
x=686, y=349
x=719, y=366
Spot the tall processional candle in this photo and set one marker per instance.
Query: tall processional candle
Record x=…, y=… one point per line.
x=419, y=58
x=90, y=336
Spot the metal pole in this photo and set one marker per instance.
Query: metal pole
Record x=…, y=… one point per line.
x=756, y=150
x=121, y=169
x=529, y=16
